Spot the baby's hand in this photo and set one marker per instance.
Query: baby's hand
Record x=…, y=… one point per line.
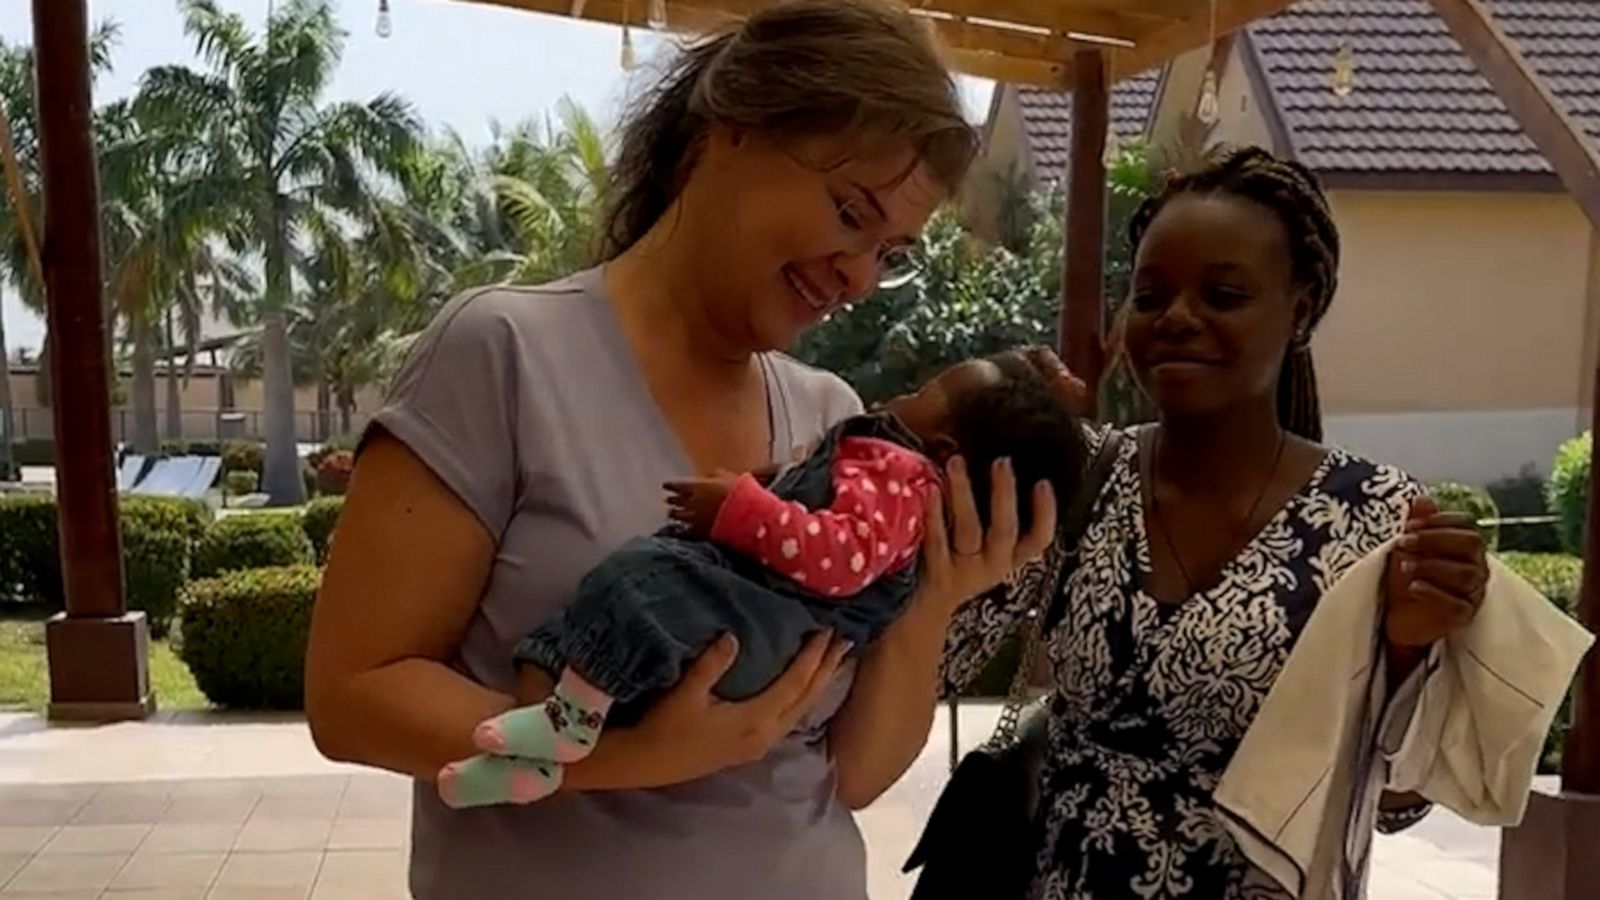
x=695, y=502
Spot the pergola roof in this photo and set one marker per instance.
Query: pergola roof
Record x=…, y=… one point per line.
x=1016, y=41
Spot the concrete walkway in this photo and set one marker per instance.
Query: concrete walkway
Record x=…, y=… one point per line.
x=243, y=808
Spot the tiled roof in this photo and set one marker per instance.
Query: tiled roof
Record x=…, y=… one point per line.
x=1047, y=118
x=1419, y=104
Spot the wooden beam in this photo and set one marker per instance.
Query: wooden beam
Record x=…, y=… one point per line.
x=98, y=653
x=1082, y=318
x=1569, y=149
x=85, y=487
x=1190, y=32
x=1008, y=70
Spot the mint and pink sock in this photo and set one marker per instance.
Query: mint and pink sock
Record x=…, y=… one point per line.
x=562, y=729
x=492, y=780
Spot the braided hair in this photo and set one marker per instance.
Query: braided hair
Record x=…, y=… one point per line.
x=1293, y=193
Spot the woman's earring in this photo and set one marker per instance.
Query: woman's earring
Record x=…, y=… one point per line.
x=1301, y=339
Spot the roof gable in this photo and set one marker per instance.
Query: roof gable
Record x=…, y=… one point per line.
x=1420, y=105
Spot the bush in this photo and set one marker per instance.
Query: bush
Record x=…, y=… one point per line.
x=159, y=535
x=251, y=542
x=1558, y=577
x=244, y=456
x=157, y=551
x=34, y=452
x=1522, y=496
x=322, y=514
x=30, y=549
x=240, y=482
x=333, y=473
x=243, y=636
x=1568, y=492
x=190, y=448
x=1554, y=575
x=1475, y=502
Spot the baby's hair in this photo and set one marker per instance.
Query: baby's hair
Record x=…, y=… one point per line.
x=1020, y=417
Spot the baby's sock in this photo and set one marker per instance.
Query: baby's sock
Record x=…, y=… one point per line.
x=563, y=728
x=489, y=780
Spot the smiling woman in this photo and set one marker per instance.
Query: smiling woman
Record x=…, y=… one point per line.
x=775, y=172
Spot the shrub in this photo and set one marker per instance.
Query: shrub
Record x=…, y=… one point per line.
x=190, y=448
x=240, y=482
x=157, y=551
x=1568, y=493
x=243, y=635
x=1558, y=577
x=244, y=456
x=1523, y=496
x=251, y=542
x=322, y=514
x=34, y=452
x=1554, y=575
x=159, y=535
x=1475, y=502
x=333, y=473
x=30, y=549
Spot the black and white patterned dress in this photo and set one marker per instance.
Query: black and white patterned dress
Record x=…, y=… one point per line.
x=1151, y=700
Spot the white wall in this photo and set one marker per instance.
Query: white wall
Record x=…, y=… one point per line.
x=1471, y=447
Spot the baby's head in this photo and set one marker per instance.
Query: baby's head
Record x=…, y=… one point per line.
x=997, y=407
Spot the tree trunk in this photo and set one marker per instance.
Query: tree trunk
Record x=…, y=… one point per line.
x=347, y=411
x=281, y=479
x=41, y=381
x=174, y=388
x=324, y=409
x=8, y=469
x=146, y=433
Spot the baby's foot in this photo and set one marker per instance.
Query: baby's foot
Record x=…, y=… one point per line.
x=564, y=728
x=491, y=780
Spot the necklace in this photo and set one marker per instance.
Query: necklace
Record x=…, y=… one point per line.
x=1161, y=522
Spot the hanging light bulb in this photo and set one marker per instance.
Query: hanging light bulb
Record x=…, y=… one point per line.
x=1209, y=109
x=1113, y=151
x=657, y=15
x=1344, y=71
x=628, y=59
x=385, y=25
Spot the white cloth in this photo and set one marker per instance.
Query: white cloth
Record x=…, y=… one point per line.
x=1465, y=731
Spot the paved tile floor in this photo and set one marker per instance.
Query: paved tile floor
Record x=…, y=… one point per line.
x=207, y=806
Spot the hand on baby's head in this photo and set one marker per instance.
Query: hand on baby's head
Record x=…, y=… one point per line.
x=1021, y=417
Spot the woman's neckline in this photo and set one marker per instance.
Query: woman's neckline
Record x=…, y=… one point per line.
x=779, y=416
x=1144, y=559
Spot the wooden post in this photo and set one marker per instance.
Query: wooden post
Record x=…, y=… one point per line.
x=98, y=652
x=1580, y=758
x=1082, y=320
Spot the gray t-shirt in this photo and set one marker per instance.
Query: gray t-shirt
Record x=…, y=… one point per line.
x=530, y=406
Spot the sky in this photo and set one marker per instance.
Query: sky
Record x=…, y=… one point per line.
x=461, y=65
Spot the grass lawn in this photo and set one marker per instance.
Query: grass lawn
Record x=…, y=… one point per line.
x=25, y=683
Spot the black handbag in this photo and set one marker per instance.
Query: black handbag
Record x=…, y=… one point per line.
x=982, y=836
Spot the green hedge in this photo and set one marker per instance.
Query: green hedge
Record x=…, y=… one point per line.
x=1475, y=502
x=159, y=535
x=30, y=549
x=252, y=541
x=322, y=514
x=244, y=456
x=1523, y=496
x=243, y=636
x=1558, y=577
x=240, y=482
x=1568, y=492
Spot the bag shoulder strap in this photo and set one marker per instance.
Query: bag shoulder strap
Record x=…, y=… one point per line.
x=1047, y=609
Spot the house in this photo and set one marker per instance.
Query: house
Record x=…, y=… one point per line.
x=1463, y=340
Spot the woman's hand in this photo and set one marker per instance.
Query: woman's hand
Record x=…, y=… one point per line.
x=691, y=733
x=1436, y=579
x=960, y=560
x=1071, y=389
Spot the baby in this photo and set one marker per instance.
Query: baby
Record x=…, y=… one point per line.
x=831, y=544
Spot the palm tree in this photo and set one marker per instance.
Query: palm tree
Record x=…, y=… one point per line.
x=276, y=154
